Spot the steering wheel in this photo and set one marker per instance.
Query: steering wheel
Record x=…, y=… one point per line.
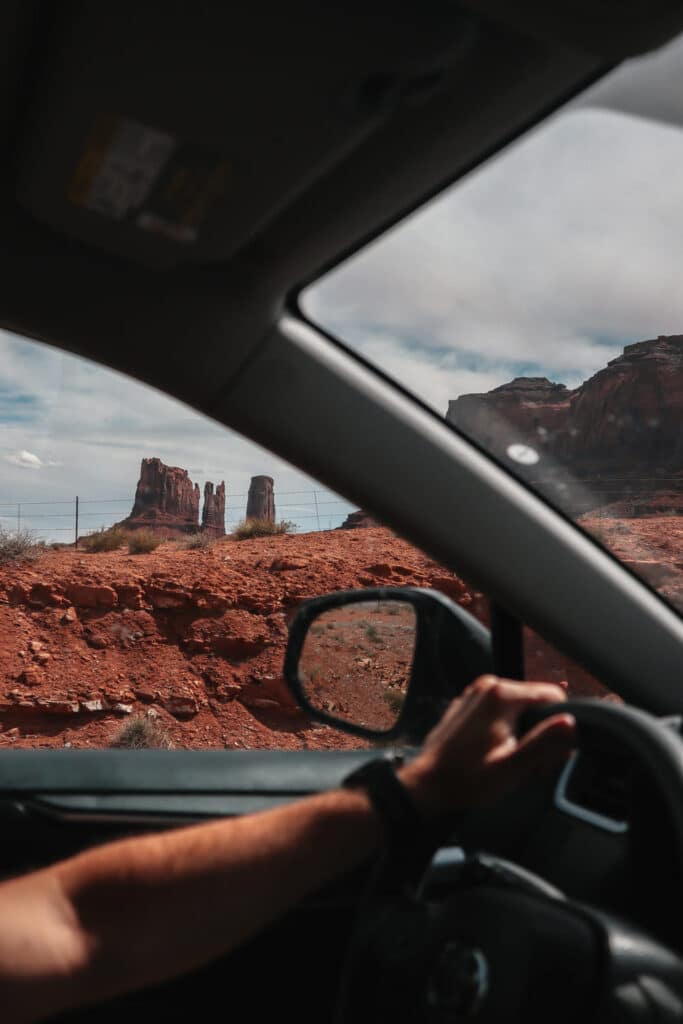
x=499, y=944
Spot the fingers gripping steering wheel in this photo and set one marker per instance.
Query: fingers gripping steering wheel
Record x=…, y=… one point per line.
x=500, y=944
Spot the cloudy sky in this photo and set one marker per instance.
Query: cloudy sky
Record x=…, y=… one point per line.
x=71, y=427
x=546, y=262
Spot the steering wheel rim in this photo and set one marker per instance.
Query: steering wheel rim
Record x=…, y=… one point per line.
x=630, y=959
x=658, y=748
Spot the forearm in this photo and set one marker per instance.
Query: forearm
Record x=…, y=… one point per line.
x=146, y=909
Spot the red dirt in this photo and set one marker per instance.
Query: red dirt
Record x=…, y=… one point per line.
x=650, y=546
x=192, y=638
x=356, y=662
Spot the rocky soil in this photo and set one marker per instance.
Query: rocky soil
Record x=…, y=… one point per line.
x=651, y=547
x=191, y=639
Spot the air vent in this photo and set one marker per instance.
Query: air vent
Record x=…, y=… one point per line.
x=596, y=791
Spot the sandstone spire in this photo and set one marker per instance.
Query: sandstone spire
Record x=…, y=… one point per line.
x=213, y=513
x=261, y=500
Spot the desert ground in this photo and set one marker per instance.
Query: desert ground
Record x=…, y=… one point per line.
x=193, y=640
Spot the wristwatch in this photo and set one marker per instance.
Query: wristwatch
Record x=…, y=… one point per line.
x=402, y=822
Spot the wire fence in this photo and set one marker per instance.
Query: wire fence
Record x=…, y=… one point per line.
x=67, y=519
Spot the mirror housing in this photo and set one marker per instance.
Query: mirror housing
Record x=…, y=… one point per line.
x=450, y=648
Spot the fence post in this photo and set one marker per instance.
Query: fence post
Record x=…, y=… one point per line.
x=76, y=538
x=18, y=517
x=317, y=513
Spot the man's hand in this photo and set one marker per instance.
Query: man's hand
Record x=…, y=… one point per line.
x=474, y=756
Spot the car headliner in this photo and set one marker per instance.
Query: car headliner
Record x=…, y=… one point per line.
x=334, y=122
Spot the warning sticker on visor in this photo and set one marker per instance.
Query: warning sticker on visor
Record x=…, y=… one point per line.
x=131, y=172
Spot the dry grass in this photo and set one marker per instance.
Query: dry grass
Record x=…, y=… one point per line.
x=141, y=542
x=19, y=546
x=141, y=733
x=199, y=541
x=394, y=699
x=104, y=540
x=249, y=528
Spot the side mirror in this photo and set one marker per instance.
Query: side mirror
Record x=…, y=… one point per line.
x=383, y=662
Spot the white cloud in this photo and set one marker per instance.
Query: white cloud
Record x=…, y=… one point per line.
x=26, y=460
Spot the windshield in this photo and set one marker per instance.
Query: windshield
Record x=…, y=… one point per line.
x=537, y=306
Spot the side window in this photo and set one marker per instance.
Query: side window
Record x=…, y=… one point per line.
x=150, y=562
x=544, y=663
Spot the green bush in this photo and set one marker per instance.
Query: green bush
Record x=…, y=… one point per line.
x=141, y=542
x=249, y=528
x=142, y=733
x=104, y=539
x=19, y=546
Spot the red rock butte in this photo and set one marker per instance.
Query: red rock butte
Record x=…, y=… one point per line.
x=166, y=500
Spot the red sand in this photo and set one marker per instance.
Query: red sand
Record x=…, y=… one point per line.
x=193, y=639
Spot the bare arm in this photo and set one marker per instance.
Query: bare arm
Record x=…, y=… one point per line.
x=139, y=911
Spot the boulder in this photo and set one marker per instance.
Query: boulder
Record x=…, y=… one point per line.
x=42, y=594
x=130, y=595
x=58, y=707
x=168, y=596
x=84, y=595
x=181, y=706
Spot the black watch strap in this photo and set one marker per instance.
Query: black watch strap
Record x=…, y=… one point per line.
x=402, y=823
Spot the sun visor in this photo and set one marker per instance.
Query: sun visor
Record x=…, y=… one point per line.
x=173, y=133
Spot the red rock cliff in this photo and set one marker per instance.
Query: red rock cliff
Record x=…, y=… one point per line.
x=631, y=413
x=626, y=419
x=527, y=409
x=621, y=429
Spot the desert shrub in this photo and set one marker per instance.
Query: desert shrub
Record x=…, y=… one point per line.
x=142, y=733
x=141, y=542
x=108, y=539
x=372, y=634
x=394, y=699
x=199, y=541
x=249, y=528
x=19, y=546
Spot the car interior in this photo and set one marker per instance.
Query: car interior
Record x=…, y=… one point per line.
x=302, y=133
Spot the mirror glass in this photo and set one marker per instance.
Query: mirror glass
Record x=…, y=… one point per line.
x=357, y=661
